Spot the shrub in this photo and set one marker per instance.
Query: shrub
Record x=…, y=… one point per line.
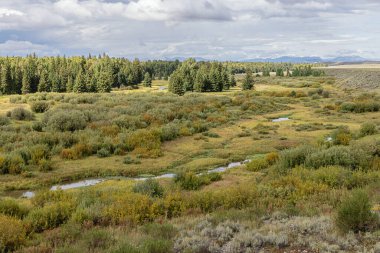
x=129, y=160
x=149, y=187
x=37, y=126
x=66, y=121
x=103, y=152
x=257, y=164
x=368, y=128
x=44, y=165
x=190, y=181
x=12, y=233
x=126, y=247
x=14, y=164
x=272, y=158
x=97, y=239
x=164, y=231
x=38, y=153
x=39, y=106
x=4, y=120
x=336, y=155
x=11, y=207
x=292, y=157
x=355, y=214
x=21, y=114
x=49, y=216
x=341, y=136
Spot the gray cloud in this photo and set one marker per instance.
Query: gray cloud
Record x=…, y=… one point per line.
x=221, y=29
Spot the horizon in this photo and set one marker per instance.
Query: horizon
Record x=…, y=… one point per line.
x=222, y=30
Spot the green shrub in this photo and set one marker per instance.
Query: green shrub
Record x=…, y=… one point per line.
x=21, y=114
x=164, y=231
x=72, y=120
x=368, y=128
x=126, y=247
x=336, y=155
x=129, y=160
x=149, y=187
x=355, y=214
x=37, y=126
x=97, y=238
x=190, y=181
x=257, y=164
x=39, y=152
x=45, y=165
x=291, y=158
x=49, y=216
x=12, y=233
x=4, y=120
x=103, y=152
x=39, y=106
x=11, y=207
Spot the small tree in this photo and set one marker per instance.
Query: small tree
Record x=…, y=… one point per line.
x=147, y=80
x=248, y=81
x=176, y=85
x=355, y=214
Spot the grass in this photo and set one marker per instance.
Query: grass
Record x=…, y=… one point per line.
x=237, y=140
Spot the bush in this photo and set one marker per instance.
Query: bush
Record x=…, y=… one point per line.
x=11, y=207
x=160, y=231
x=292, y=157
x=149, y=187
x=38, y=153
x=151, y=245
x=190, y=181
x=355, y=214
x=4, y=120
x=39, y=106
x=257, y=164
x=129, y=160
x=341, y=136
x=66, y=121
x=44, y=165
x=21, y=114
x=97, y=239
x=336, y=155
x=103, y=152
x=49, y=216
x=368, y=129
x=12, y=233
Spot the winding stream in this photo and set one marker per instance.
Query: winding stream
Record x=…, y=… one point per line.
x=92, y=182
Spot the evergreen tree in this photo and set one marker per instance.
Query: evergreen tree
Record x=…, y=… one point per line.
x=176, y=84
x=70, y=84
x=248, y=81
x=147, y=80
x=104, y=81
x=233, y=80
x=280, y=72
x=43, y=84
x=6, y=80
x=26, y=83
x=80, y=83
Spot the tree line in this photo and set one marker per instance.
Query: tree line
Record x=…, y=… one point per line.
x=201, y=77
x=32, y=74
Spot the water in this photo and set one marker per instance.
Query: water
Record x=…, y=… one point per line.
x=28, y=195
x=92, y=182
x=84, y=183
x=280, y=119
x=162, y=88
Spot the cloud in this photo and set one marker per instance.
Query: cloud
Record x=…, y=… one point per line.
x=220, y=29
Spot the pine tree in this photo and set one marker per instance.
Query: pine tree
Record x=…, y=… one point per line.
x=26, y=83
x=233, y=80
x=80, y=83
x=176, y=84
x=104, y=81
x=147, y=80
x=44, y=85
x=6, y=80
x=69, y=85
x=248, y=81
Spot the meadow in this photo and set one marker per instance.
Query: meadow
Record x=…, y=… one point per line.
x=311, y=180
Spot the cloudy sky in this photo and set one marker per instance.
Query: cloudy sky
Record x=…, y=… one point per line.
x=212, y=29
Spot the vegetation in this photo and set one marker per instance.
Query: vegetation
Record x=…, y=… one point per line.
x=319, y=179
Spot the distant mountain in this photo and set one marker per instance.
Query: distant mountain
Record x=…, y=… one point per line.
x=295, y=59
x=290, y=59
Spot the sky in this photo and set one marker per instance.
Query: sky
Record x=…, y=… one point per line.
x=211, y=29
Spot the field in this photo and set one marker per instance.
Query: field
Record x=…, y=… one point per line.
x=311, y=147
x=356, y=76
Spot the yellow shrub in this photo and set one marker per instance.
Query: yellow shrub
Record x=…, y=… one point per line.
x=12, y=233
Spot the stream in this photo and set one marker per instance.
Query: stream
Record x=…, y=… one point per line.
x=92, y=182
